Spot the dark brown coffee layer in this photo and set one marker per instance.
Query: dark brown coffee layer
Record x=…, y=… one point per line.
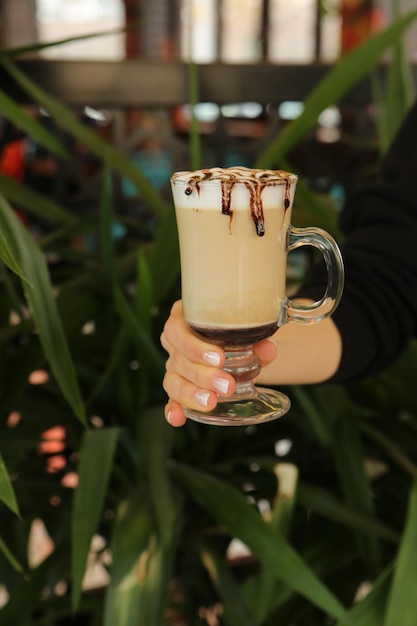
x=234, y=337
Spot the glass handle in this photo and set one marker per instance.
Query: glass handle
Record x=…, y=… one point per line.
x=320, y=239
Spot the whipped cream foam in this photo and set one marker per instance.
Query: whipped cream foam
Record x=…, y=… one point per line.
x=235, y=174
x=253, y=189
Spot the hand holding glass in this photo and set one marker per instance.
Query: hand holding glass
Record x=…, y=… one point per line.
x=234, y=228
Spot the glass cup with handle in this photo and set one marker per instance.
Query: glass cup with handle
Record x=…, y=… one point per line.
x=235, y=232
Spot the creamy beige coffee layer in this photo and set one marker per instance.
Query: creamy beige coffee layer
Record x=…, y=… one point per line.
x=232, y=226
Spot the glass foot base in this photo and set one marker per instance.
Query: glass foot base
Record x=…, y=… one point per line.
x=266, y=405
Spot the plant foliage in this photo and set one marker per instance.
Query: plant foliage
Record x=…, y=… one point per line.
x=168, y=507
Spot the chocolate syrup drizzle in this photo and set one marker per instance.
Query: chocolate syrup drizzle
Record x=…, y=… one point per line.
x=254, y=180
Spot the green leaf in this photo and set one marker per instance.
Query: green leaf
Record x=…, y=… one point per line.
x=325, y=503
x=42, y=304
x=35, y=47
x=141, y=570
x=155, y=583
x=231, y=509
x=402, y=600
x=165, y=258
x=115, y=355
x=285, y=498
x=144, y=292
x=390, y=447
x=312, y=413
x=156, y=439
x=7, y=255
x=131, y=537
x=18, y=116
x=227, y=587
x=338, y=81
x=10, y=557
x=348, y=455
x=25, y=595
x=400, y=89
x=34, y=202
x=307, y=199
x=102, y=149
x=7, y=494
x=106, y=223
x=263, y=587
x=96, y=458
x=371, y=610
x=149, y=352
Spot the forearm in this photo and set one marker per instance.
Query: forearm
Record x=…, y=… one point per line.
x=307, y=354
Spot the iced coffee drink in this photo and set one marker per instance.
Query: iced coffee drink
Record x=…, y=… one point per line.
x=234, y=228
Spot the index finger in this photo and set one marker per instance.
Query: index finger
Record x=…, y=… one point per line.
x=177, y=335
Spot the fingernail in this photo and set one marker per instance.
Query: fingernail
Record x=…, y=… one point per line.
x=212, y=358
x=202, y=397
x=168, y=417
x=221, y=385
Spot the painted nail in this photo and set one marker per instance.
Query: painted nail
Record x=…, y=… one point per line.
x=221, y=385
x=212, y=358
x=202, y=397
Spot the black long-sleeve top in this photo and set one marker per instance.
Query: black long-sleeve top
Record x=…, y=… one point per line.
x=377, y=316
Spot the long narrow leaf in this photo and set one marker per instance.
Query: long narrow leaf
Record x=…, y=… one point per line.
x=312, y=413
x=227, y=587
x=16, y=51
x=103, y=150
x=323, y=502
x=381, y=117
x=96, y=460
x=390, y=447
x=400, y=88
x=155, y=583
x=232, y=510
x=308, y=199
x=34, y=202
x=348, y=455
x=263, y=586
x=371, y=610
x=144, y=292
x=7, y=494
x=106, y=223
x=149, y=353
x=402, y=601
x=156, y=440
x=338, y=81
x=4, y=548
x=131, y=538
x=18, y=116
x=141, y=571
x=7, y=254
x=164, y=259
x=25, y=595
x=39, y=295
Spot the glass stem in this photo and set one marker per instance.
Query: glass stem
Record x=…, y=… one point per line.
x=244, y=366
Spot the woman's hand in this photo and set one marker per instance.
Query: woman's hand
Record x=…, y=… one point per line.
x=308, y=354
x=193, y=370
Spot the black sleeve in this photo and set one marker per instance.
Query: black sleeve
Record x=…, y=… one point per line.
x=377, y=315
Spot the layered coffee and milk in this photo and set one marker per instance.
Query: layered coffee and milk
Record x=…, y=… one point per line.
x=232, y=226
